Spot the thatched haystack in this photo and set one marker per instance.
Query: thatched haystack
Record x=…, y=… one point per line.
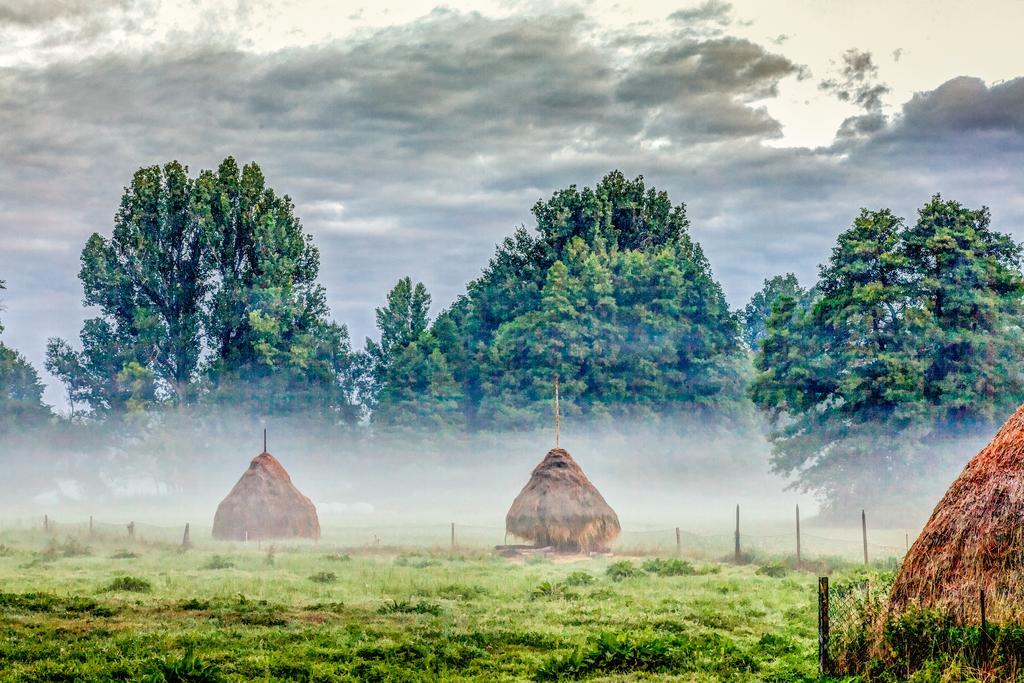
x=559, y=507
x=973, y=540
x=265, y=504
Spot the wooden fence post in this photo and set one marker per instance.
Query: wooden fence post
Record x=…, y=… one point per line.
x=864, y=533
x=679, y=545
x=186, y=542
x=46, y=523
x=984, y=620
x=90, y=527
x=737, y=550
x=453, y=535
x=131, y=529
x=824, y=661
x=799, y=566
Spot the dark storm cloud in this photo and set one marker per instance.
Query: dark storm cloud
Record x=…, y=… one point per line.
x=413, y=150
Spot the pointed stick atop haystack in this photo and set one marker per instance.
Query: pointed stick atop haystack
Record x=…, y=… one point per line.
x=558, y=424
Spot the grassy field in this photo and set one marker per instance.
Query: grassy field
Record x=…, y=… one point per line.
x=81, y=608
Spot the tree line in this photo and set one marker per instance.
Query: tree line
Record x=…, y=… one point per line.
x=207, y=297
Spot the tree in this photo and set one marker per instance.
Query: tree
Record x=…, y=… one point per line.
x=274, y=348
x=218, y=264
x=21, y=392
x=906, y=329
x=613, y=295
x=411, y=382
x=148, y=280
x=967, y=279
x=755, y=314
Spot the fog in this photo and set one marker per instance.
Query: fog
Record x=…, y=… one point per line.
x=407, y=487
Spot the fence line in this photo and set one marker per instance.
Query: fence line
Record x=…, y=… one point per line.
x=477, y=535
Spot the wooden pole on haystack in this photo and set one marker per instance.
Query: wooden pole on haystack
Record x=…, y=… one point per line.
x=264, y=439
x=798, y=565
x=558, y=420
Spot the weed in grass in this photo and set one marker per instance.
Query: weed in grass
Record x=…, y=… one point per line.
x=578, y=579
x=218, y=562
x=775, y=570
x=189, y=669
x=123, y=554
x=193, y=605
x=335, y=607
x=456, y=591
x=129, y=584
x=6, y=550
x=408, y=607
x=552, y=591
x=338, y=557
x=676, y=567
x=324, y=577
x=268, y=559
x=415, y=562
x=623, y=569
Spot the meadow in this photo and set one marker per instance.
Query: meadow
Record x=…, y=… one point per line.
x=76, y=606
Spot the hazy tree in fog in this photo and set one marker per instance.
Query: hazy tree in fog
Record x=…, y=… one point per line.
x=411, y=383
x=610, y=292
x=148, y=281
x=274, y=348
x=755, y=314
x=861, y=382
x=207, y=291
x=21, y=392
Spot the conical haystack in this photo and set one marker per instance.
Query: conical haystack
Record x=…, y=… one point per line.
x=559, y=507
x=973, y=540
x=265, y=504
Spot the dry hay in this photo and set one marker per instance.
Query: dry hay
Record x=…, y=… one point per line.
x=559, y=507
x=265, y=504
x=973, y=539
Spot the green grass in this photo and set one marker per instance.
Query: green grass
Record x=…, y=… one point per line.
x=153, y=612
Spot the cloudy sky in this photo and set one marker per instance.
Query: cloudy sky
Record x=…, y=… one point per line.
x=414, y=136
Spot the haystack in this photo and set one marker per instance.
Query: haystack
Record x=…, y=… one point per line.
x=973, y=540
x=265, y=504
x=559, y=507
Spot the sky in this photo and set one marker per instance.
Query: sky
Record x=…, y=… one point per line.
x=414, y=136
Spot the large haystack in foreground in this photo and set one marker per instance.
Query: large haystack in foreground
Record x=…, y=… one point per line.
x=973, y=539
x=559, y=507
x=265, y=504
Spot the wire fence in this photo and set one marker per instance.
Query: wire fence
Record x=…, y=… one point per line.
x=633, y=540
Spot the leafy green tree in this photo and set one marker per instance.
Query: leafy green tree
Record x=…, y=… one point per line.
x=148, y=281
x=21, y=392
x=755, y=314
x=411, y=381
x=967, y=279
x=217, y=263
x=882, y=363
x=613, y=295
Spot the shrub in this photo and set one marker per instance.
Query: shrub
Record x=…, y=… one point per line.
x=123, y=554
x=623, y=569
x=775, y=570
x=129, y=584
x=676, y=567
x=578, y=579
x=324, y=577
x=407, y=607
x=190, y=668
x=218, y=562
x=340, y=557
